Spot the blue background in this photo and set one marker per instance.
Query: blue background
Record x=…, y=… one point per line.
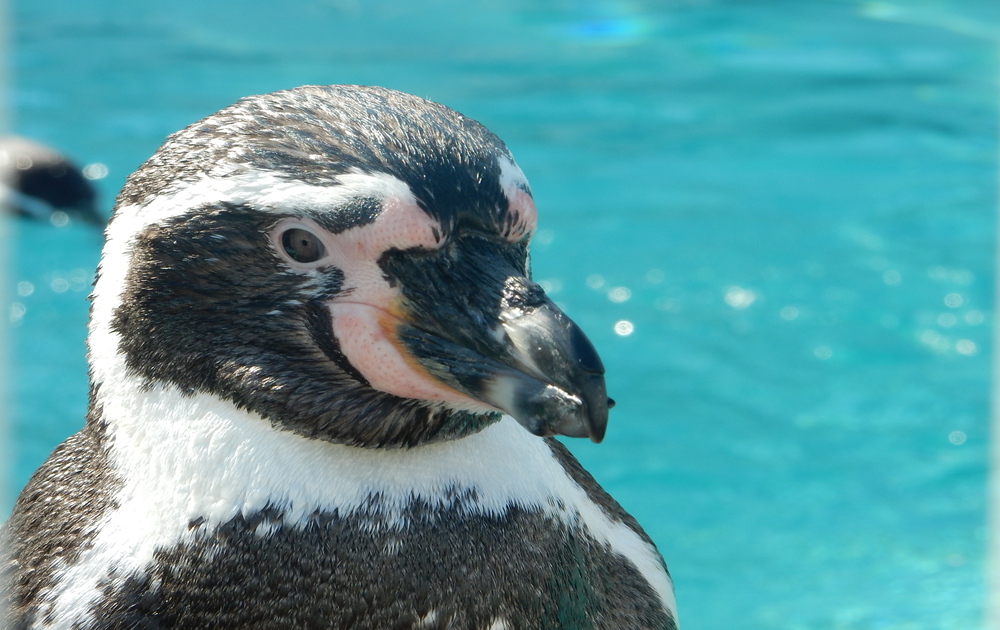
x=790, y=203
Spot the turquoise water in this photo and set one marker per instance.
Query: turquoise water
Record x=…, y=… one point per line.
x=789, y=204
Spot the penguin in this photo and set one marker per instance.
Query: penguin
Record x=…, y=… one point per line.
x=324, y=394
x=38, y=182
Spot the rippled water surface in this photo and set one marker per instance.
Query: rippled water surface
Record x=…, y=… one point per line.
x=774, y=219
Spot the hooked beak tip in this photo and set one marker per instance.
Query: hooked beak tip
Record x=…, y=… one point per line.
x=546, y=410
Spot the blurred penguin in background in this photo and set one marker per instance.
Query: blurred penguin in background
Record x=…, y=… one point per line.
x=40, y=183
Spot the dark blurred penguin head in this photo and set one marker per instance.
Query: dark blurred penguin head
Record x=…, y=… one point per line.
x=40, y=183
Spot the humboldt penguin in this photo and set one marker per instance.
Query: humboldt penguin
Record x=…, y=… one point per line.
x=324, y=390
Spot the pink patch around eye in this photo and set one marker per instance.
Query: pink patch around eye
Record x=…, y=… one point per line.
x=524, y=216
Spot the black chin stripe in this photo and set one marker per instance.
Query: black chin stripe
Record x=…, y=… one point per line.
x=320, y=327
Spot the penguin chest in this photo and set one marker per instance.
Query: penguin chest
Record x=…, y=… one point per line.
x=237, y=525
x=429, y=568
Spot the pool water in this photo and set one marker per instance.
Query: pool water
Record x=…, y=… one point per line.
x=774, y=219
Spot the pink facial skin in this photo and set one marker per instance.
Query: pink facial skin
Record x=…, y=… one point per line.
x=367, y=336
x=522, y=208
x=521, y=211
x=366, y=316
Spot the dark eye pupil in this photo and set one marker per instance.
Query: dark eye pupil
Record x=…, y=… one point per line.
x=302, y=246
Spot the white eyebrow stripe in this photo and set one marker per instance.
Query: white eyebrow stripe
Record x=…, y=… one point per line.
x=512, y=178
x=264, y=191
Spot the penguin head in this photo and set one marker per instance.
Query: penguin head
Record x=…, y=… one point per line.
x=349, y=263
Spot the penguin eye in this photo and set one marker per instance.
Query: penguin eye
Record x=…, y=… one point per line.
x=302, y=246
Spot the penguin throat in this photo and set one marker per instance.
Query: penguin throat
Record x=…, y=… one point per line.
x=386, y=421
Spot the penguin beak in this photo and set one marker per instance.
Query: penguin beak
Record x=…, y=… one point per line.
x=502, y=341
x=557, y=384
